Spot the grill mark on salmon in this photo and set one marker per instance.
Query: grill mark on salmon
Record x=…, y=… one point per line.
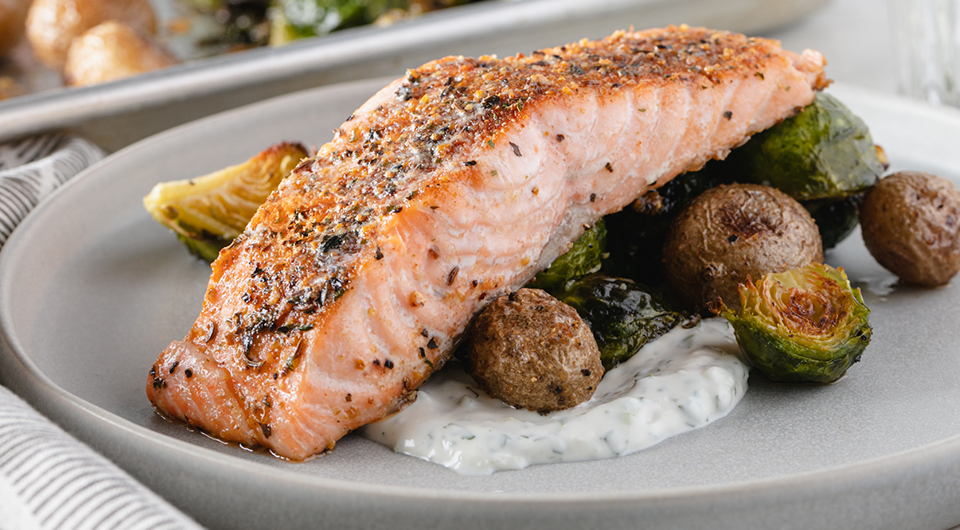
x=449, y=187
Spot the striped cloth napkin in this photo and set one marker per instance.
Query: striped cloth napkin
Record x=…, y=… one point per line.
x=49, y=480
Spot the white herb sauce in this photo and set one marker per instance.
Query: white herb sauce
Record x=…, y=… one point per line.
x=684, y=380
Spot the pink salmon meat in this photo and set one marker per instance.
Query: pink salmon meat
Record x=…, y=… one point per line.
x=449, y=187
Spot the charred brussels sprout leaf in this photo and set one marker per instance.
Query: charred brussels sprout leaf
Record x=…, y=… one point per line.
x=582, y=259
x=622, y=315
x=805, y=325
x=208, y=212
x=822, y=152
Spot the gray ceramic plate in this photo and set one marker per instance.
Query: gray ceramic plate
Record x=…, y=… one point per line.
x=92, y=290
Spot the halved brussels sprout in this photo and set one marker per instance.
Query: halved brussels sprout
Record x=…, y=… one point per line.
x=208, y=212
x=805, y=325
x=822, y=152
x=622, y=314
x=583, y=258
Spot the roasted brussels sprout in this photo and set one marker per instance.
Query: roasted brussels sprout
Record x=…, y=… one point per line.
x=532, y=351
x=583, y=258
x=911, y=226
x=636, y=234
x=822, y=152
x=298, y=19
x=238, y=24
x=733, y=232
x=805, y=325
x=835, y=218
x=622, y=314
x=207, y=213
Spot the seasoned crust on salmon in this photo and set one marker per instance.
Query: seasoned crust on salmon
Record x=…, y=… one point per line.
x=449, y=187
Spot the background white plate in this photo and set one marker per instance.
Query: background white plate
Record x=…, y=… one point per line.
x=91, y=290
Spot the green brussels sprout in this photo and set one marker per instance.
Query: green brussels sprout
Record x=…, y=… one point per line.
x=637, y=233
x=582, y=259
x=206, y=213
x=622, y=315
x=836, y=218
x=805, y=325
x=298, y=19
x=822, y=152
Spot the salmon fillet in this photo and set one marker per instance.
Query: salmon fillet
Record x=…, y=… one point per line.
x=448, y=188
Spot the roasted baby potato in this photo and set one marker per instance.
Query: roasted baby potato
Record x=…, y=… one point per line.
x=731, y=233
x=207, y=213
x=532, y=351
x=53, y=24
x=13, y=13
x=911, y=226
x=112, y=51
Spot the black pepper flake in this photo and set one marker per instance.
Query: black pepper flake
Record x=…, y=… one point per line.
x=512, y=296
x=174, y=366
x=516, y=149
x=561, y=137
x=482, y=295
x=593, y=197
x=432, y=344
x=379, y=255
x=188, y=372
x=376, y=362
x=470, y=163
x=424, y=332
x=423, y=353
x=404, y=93
x=433, y=252
x=474, y=283
x=153, y=369
x=728, y=114
x=349, y=398
x=558, y=390
x=491, y=101
x=388, y=364
x=576, y=70
x=732, y=239
x=608, y=167
x=266, y=429
x=585, y=372
x=452, y=275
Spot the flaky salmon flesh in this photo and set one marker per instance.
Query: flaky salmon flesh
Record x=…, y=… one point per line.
x=449, y=187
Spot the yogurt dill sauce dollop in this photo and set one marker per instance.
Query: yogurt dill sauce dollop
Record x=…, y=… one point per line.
x=682, y=381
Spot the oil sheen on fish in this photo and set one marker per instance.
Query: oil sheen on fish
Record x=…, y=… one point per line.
x=451, y=186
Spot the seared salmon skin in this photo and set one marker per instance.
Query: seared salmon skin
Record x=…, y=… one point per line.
x=449, y=187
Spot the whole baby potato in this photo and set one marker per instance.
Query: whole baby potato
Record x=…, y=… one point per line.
x=53, y=24
x=13, y=13
x=911, y=225
x=731, y=233
x=112, y=51
x=532, y=351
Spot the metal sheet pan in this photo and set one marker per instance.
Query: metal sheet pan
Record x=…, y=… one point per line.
x=117, y=114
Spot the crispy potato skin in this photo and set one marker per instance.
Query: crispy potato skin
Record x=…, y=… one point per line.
x=112, y=51
x=731, y=233
x=13, y=13
x=911, y=226
x=52, y=25
x=532, y=351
